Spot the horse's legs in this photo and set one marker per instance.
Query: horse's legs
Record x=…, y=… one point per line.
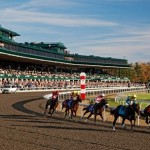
x=49, y=110
x=62, y=107
x=101, y=116
x=66, y=112
x=146, y=119
x=114, y=122
x=45, y=112
x=52, y=111
x=123, y=125
x=88, y=117
x=46, y=106
x=71, y=114
x=134, y=121
x=84, y=114
x=131, y=125
x=75, y=113
x=95, y=115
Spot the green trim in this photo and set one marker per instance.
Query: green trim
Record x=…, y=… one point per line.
x=55, y=60
x=12, y=76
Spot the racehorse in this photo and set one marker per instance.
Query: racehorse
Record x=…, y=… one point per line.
x=126, y=112
x=52, y=105
x=72, y=108
x=147, y=114
x=99, y=111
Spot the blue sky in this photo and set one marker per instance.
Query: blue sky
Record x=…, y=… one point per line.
x=106, y=28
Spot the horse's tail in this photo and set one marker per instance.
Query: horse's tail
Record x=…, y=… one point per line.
x=112, y=111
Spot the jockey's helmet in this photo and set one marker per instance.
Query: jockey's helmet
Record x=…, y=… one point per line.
x=134, y=96
x=55, y=93
x=73, y=92
x=103, y=95
x=77, y=93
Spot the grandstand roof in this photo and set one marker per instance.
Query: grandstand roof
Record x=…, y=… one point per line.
x=51, y=53
x=9, y=31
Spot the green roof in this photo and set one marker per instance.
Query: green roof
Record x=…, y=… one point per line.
x=8, y=31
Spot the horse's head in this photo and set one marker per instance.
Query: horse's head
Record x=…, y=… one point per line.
x=147, y=110
x=104, y=102
x=142, y=114
x=79, y=98
x=136, y=107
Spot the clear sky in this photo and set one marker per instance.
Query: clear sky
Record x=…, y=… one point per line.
x=106, y=28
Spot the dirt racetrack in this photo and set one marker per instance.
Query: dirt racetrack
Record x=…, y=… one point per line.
x=23, y=127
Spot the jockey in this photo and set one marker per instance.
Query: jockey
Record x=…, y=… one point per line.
x=73, y=96
x=130, y=100
x=77, y=94
x=55, y=95
x=99, y=98
x=97, y=101
x=54, y=98
x=133, y=98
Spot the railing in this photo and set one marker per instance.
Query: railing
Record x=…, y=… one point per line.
x=121, y=99
x=89, y=91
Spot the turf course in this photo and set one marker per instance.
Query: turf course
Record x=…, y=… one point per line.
x=142, y=98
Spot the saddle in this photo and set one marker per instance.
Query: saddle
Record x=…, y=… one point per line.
x=91, y=108
x=122, y=110
x=69, y=103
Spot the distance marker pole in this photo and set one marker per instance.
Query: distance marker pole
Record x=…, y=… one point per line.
x=83, y=90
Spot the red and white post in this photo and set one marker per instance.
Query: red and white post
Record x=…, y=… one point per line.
x=83, y=90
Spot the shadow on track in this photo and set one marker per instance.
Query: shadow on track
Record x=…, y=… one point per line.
x=20, y=106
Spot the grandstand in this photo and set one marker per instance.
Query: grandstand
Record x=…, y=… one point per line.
x=52, y=62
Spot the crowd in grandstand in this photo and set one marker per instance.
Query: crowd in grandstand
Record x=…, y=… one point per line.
x=57, y=79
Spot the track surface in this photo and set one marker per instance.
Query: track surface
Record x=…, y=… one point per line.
x=23, y=127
